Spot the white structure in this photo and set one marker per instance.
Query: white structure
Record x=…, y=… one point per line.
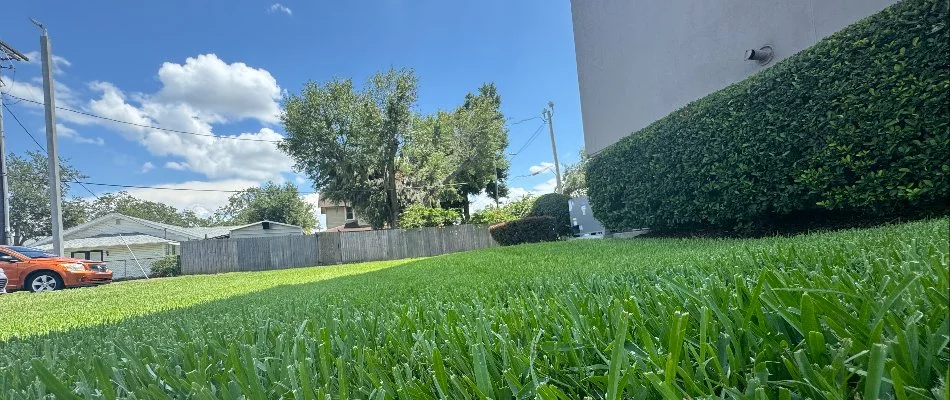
x=640, y=60
x=109, y=238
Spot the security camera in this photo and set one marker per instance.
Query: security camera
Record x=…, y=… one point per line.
x=763, y=55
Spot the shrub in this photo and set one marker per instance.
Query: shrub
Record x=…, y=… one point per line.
x=554, y=205
x=492, y=215
x=522, y=207
x=165, y=267
x=854, y=126
x=525, y=230
x=418, y=216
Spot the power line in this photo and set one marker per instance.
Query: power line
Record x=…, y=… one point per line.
x=144, y=125
x=530, y=140
x=116, y=185
x=524, y=120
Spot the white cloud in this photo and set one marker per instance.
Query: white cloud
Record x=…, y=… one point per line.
x=71, y=134
x=176, y=166
x=202, y=203
x=148, y=166
x=547, y=167
x=254, y=157
x=217, y=91
x=277, y=7
x=547, y=186
x=482, y=200
x=58, y=61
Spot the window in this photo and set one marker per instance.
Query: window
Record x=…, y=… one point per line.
x=8, y=258
x=349, y=214
x=265, y=225
x=30, y=252
x=91, y=255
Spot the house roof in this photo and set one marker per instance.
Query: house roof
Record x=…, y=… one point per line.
x=196, y=233
x=234, y=228
x=108, y=241
x=351, y=226
x=193, y=233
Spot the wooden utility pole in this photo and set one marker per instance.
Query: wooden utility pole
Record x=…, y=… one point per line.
x=7, y=53
x=557, y=165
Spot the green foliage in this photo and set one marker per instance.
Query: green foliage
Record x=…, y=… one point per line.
x=842, y=315
x=125, y=203
x=522, y=207
x=29, y=196
x=854, y=126
x=554, y=205
x=270, y=202
x=575, y=176
x=347, y=141
x=418, y=216
x=369, y=149
x=507, y=212
x=525, y=230
x=453, y=154
x=491, y=216
x=166, y=267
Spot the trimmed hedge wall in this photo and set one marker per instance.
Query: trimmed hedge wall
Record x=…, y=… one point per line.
x=525, y=230
x=856, y=126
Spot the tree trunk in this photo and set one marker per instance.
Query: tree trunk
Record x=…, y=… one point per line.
x=465, y=208
x=391, y=189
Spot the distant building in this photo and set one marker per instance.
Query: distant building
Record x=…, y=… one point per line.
x=340, y=217
x=638, y=60
x=125, y=242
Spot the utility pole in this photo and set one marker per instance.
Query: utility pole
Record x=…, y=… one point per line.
x=7, y=53
x=52, y=151
x=557, y=165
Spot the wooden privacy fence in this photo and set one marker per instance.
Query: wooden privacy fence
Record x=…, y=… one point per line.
x=266, y=253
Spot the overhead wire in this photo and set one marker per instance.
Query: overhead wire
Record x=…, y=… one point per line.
x=158, y=128
x=529, y=141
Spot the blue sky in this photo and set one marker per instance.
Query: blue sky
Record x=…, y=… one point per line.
x=220, y=67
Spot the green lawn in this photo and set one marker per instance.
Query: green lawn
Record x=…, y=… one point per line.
x=850, y=314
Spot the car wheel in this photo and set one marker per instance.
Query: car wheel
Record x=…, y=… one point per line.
x=44, y=282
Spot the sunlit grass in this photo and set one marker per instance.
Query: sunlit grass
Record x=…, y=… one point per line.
x=25, y=314
x=852, y=314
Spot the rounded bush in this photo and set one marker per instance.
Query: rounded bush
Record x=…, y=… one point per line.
x=525, y=230
x=165, y=267
x=554, y=205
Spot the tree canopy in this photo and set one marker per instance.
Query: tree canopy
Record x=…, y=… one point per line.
x=347, y=141
x=125, y=203
x=368, y=148
x=271, y=202
x=29, y=197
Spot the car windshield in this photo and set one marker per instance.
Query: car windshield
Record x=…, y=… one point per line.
x=31, y=252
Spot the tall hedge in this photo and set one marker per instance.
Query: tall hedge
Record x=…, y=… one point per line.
x=855, y=125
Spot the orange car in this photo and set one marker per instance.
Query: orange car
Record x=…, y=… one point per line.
x=38, y=271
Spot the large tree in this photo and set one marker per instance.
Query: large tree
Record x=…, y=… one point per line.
x=452, y=155
x=125, y=203
x=347, y=141
x=271, y=202
x=29, y=197
x=481, y=137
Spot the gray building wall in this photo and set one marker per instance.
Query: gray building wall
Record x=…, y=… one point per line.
x=257, y=230
x=639, y=60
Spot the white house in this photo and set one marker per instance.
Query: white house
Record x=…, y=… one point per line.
x=125, y=242
x=639, y=60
